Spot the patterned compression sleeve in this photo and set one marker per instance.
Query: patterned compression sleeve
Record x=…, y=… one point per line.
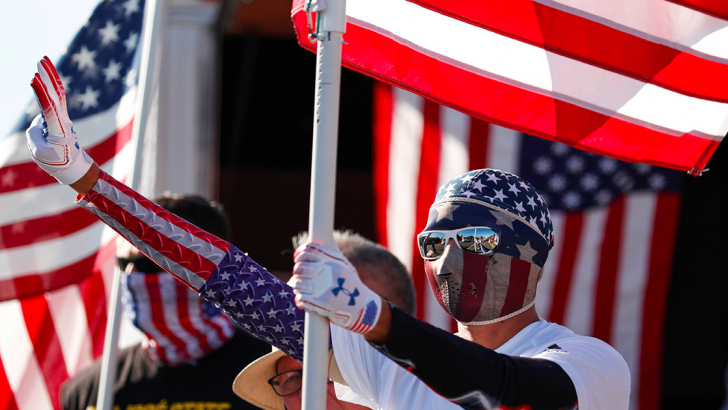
x=473, y=376
x=217, y=270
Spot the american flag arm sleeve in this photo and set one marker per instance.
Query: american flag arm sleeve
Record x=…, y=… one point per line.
x=220, y=273
x=474, y=376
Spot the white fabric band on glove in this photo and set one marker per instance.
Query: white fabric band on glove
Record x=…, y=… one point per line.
x=51, y=139
x=325, y=282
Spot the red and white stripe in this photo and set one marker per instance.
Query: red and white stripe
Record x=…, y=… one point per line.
x=57, y=263
x=635, y=81
x=608, y=272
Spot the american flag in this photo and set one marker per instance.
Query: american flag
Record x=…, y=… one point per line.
x=56, y=260
x=639, y=80
x=614, y=222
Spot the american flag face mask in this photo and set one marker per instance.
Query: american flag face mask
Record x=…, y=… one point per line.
x=479, y=285
x=179, y=326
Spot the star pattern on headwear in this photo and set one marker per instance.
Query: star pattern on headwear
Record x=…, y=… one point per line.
x=503, y=190
x=445, y=211
x=527, y=252
x=502, y=219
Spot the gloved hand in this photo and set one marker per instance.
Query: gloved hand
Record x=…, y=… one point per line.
x=51, y=139
x=325, y=282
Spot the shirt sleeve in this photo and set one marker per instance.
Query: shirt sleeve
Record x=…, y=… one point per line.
x=473, y=376
x=220, y=273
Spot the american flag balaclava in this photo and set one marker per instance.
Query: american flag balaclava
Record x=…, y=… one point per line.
x=180, y=327
x=482, y=289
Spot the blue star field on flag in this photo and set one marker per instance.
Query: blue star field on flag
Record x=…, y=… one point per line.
x=101, y=63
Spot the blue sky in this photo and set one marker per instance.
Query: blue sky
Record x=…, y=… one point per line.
x=30, y=29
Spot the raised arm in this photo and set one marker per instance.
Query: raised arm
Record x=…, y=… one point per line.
x=217, y=270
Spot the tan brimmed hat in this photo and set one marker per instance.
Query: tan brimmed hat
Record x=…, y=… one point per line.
x=252, y=385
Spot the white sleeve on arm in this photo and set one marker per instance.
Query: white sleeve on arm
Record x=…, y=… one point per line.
x=600, y=374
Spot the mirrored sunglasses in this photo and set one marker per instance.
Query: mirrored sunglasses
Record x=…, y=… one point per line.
x=287, y=383
x=141, y=264
x=482, y=240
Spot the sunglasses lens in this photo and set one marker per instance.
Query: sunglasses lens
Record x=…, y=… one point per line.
x=431, y=244
x=287, y=383
x=478, y=240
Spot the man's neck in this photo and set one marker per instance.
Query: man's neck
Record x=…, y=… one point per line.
x=494, y=335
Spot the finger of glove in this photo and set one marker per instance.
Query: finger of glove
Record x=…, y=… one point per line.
x=47, y=106
x=301, y=285
x=55, y=81
x=309, y=303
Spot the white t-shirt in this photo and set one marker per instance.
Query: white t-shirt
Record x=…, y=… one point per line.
x=600, y=375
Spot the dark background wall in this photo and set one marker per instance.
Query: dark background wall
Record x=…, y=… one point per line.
x=265, y=155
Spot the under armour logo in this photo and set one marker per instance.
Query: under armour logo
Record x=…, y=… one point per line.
x=345, y=291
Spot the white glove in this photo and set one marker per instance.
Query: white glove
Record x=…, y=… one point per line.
x=51, y=139
x=325, y=282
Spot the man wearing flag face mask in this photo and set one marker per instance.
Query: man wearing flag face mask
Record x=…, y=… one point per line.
x=485, y=244
x=187, y=339
x=502, y=357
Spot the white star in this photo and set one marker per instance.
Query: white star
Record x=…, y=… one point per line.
x=642, y=168
x=543, y=219
x=450, y=188
x=243, y=285
x=559, y=149
x=255, y=315
x=84, y=59
x=300, y=341
x=225, y=276
x=284, y=341
x=130, y=7
x=513, y=189
x=131, y=42
x=109, y=34
x=130, y=81
x=533, y=221
x=246, y=326
x=278, y=328
x=542, y=165
x=88, y=99
x=607, y=165
x=112, y=72
x=230, y=303
x=466, y=178
x=589, y=182
x=519, y=207
x=502, y=218
x=282, y=294
x=210, y=293
x=291, y=310
x=248, y=301
x=65, y=80
x=239, y=315
x=557, y=182
x=527, y=252
x=267, y=338
x=468, y=194
x=572, y=200
x=296, y=327
x=493, y=178
x=272, y=313
x=499, y=195
x=267, y=297
x=445, y=211
x=238, y=257
x=252, y=268
x=657, y=181
x=477, y=185
x=524, y=185
x=531, y=202
x=575, y=164
x=260, y=282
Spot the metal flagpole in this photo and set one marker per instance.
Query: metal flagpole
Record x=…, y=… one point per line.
x=152, y=17
x=329, y=29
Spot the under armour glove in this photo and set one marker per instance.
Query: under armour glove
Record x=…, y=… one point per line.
x=51, y=139
x=325, y=282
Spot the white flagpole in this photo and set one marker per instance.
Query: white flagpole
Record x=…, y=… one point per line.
x=331, y=27
x=152, y=17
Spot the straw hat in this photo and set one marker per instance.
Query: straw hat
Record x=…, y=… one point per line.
x=252, y=385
